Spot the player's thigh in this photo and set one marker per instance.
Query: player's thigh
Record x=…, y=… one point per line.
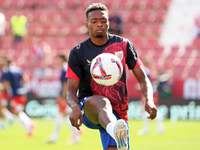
x=94, y=105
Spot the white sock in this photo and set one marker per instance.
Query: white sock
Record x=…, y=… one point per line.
x=145, y=122
x=76, y=135
x=25, y=120
x=159, y=121
x=57, y=125
x=8, y=115
x=110, y=128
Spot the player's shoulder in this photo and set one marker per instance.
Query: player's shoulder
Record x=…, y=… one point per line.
x=117, y=38
x=80, y=45
x=15, y=69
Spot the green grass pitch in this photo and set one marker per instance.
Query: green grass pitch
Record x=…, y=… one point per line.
x=180, y=135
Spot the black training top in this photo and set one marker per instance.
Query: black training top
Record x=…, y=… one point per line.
x=79, y=68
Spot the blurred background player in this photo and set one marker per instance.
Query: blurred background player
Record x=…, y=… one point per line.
x=19, y=26
x=4, y=99
x=150, y=71
x=63, y=109
x=12, y=78
x=116, y=23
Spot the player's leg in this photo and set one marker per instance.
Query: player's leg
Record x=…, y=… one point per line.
x=4, y=112
x=159, y=121
x=8, y=115
x=2, y=118
x=98, y=110
x=145, y=121
x=144, y=118
x=75, y=138
x=17, y=105
x=58, y=121
x=5, y=100
x=57, y=126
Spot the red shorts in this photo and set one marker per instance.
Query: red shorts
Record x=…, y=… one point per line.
x=18, y=103
x=4, y=97
x=62, y=104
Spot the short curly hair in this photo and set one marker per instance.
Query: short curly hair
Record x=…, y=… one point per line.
x=95, y=6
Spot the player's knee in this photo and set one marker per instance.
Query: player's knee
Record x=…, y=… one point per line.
x=104, y=103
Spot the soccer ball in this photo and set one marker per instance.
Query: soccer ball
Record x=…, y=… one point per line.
x=106, y=69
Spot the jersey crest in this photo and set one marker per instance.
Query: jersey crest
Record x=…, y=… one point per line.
x=119, y=54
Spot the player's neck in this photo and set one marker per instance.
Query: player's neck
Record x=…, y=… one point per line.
x=99, y=41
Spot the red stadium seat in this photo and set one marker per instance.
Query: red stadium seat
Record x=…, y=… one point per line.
x=42, y=3
x=62, y=29
x=125, y=4
x=189, y=48
x=139, y=4
x=6, y=43
x=35, y=29
x=53, y=16
x=156, y=29
x=152, y=4
x=66, y=14
x=60, y=4
x=148, y=16
x=193, y=70
x=29, y=3
x=164, y=4
x=40, y=15
x=127, y=29
x=17, y=4
x=152, y=42
x=137, y=42
x=196, y=43
x=142, y=29
x=125, y=16
x=28, y=13
x=178, y=70
x=80, y=16
x=160, y=16
x=5, y=4
x=135, y=16
x=9, y=13
x=71, y=4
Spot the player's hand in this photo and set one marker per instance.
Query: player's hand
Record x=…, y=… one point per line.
x=151, y=109
x=76, y=117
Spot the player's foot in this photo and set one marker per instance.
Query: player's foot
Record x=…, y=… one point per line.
x=50, y=140
x=72, y=142
x=31, y=129
x=121, y=134
x=142, y=132
x=159, y=132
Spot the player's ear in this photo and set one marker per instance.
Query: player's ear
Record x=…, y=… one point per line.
x=86, y=25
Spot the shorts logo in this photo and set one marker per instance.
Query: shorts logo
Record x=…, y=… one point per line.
x=119, y=55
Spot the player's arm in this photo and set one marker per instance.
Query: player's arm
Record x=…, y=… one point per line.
x=6, y=84
x=72, y=100
x=147, y=90
x=64, y=89
x=24, y=79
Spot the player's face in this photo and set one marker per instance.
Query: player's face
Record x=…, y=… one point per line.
x=97, y=23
